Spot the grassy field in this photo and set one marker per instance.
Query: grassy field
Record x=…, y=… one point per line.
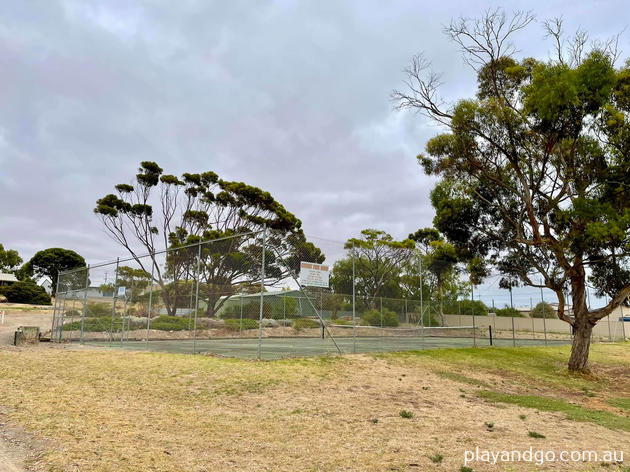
x=412, y=411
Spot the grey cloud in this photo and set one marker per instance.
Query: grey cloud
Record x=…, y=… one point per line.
x=292, y=96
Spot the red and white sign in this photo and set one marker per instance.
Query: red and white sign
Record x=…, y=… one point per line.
x=314, y=275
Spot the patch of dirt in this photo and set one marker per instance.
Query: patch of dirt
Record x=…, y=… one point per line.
x=19, y=451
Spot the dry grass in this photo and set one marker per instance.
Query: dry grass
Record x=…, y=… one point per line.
x=144, y=411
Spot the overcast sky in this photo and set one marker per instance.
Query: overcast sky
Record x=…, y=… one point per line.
x=290, y=96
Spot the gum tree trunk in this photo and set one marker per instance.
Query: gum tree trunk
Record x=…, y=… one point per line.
x=578, y=362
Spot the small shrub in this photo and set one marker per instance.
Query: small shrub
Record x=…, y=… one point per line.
x=234, y=324
x=304, y=323
x=508, y=312
x=465, y=469
x=250, y=310
x=406, y=414
x=489, y=425
x=374, y=420
x=466, y=307
x=544, y=310
x=522, y=417
x=374, y=318
x=436, y=458
x=25, y=291
x=534, y=434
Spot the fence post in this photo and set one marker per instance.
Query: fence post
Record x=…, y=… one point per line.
x=196, y=299
x=53, y=328
x=115, y=294
x=354, y=319
x=150, y=301
x=531, y=315
x=87, y=285
x=63, y=315
x=124, y=317
x=240, y=331
x=262, y=288
x=381, y=298
x=512, y=311
x=542, y=299
x=421, y=301
x=406, y=312
x=472, y=308
x=623, y=323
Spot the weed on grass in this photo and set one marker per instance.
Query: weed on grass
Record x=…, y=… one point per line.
x=489, y=425
x=406, y=414
x=534, y=434
x=436, y=458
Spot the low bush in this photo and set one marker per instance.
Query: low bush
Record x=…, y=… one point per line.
x=234, y=324
x=374, y=318
x=25, y=291
x=509, y=312
x=544, y=310
x=465, y=307
x=304, y=323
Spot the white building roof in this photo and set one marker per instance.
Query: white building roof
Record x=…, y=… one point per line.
x=7, y=278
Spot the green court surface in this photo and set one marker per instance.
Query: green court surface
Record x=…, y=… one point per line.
x=277, y=348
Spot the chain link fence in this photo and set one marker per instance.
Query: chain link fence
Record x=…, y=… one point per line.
x=267, y=295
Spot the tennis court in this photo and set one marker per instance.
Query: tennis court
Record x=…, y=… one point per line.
x=281, y=347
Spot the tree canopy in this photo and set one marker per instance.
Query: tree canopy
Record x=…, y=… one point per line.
x=49, y=262
x=160, y=212
x=10, y=260
x=535, y=168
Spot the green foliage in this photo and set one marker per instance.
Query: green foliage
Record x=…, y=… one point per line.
x=304, y=323
x=9, y=260
x=251, y=310
x=379, y=262
x=534, y=434
x=466, y=307
x=544, y=310
x=25, y=291
x=508, y=312
x=284, y=307
x=405, y=414
x=229, y=215
x=436, y=458
x=49, y=262
x=235, y=324
x=374, y=318
x=534, y=168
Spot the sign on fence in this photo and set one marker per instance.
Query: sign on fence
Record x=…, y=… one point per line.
x=121, y=291
x=314, y=275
